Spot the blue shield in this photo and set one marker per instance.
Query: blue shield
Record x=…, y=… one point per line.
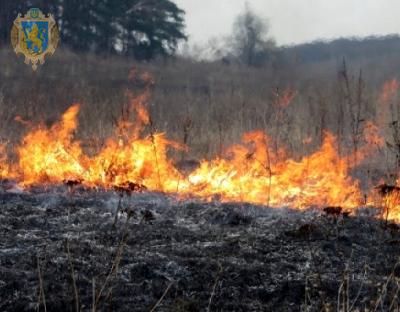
x=36, y=36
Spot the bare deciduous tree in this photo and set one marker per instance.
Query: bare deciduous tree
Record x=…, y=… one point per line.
x=250, y=40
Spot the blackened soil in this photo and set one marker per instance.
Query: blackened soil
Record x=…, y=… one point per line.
x=195, y=256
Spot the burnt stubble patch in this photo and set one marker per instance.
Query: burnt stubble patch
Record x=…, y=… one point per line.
x=194, y=256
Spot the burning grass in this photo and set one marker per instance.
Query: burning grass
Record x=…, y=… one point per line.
x=137, y=157
x=249, y=173
x=252, y=171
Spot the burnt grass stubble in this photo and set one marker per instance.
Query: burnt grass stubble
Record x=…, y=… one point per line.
x=186, y=255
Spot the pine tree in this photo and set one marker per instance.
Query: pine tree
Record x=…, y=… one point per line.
x=142, y=28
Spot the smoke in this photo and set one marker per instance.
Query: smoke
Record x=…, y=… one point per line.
x=295, y=21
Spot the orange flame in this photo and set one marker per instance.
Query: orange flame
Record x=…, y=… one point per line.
x=251, y=171
x=127, y=157
x=389, y=91
x=50, y=155
x=5, y=171
x=320, y=179
x=391, y=206
x=283, y=100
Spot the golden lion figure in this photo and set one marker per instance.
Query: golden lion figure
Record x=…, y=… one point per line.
x=34, y=37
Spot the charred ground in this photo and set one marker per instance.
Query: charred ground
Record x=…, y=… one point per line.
x=194, y=256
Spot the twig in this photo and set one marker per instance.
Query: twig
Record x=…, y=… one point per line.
x=361, y=287
x=339, y=294
x=306, y=295
x=93, y=295
x=118, y=209
x=162, y=297
x=71, y=265
x=153, y=142
x=215, y=286
x=114, y=267
x=344, y=291
x=395, y=297
x=42, y=297
x=385, y=286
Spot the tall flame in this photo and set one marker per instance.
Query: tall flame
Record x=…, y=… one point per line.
x=50, y=155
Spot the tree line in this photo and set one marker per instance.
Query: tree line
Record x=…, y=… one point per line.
x=144, y=29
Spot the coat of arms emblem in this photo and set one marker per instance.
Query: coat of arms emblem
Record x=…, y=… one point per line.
x=34, y=35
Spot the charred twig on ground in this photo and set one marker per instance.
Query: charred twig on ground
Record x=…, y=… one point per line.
x=128, y=188
x=217, y=278
x=71, y=265
x=383, y=292
x=162, y=297
x=334, y=211
x=343, y=299
x=392, y=227
x=71, y=184
x=42, y=297
x=306, y=295
x=366, y=267
x=147, y=216
x=303, y=231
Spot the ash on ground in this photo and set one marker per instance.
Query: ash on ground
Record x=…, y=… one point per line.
x=60, y=249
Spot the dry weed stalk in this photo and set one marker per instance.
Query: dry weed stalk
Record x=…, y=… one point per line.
x=187, y=127
x=355, y=107
x=306, y=295
x=41, y=297
x=343, y=301
x=114, y=267
x=152, y=132
x=383, y=292
x=162, y=297
x=71, y=265
x=217, y=278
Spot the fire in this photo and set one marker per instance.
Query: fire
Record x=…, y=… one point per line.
x=252, y=174
x=5, y=171
x=391, y=205
x=128, y=157
x=50, y=155
x=389, y=198
x=141, y=161
x=53, y=156
x=389, y=91
x=283, y=100
x=254, y=171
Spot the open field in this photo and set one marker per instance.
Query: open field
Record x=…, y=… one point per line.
x=183, y=240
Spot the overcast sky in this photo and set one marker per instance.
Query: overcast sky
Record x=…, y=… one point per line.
x=295, y=21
